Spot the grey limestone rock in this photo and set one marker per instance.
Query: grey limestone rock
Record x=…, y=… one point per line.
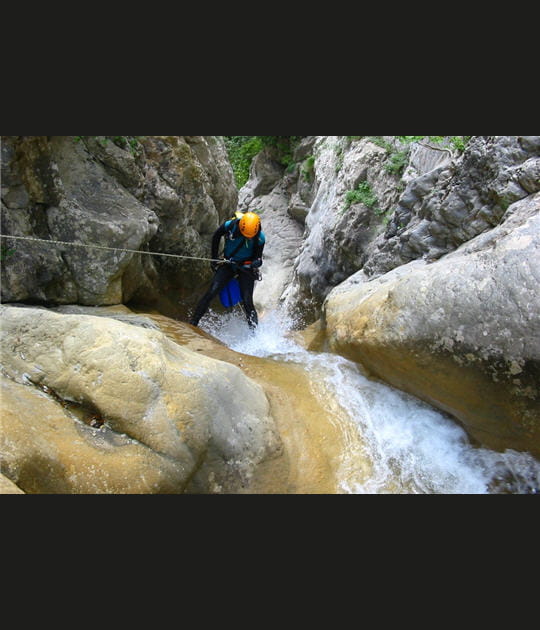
x=158, y=194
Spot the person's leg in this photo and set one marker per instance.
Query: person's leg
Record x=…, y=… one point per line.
x=222, y=276
x=247, y=284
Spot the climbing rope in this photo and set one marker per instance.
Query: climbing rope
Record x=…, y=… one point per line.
x=111, y=249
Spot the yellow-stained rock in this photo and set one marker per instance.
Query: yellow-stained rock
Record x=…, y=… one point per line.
x=204, y=416
x=314, y=433
x=460, y=334
x=176, y=410
x=8, y=487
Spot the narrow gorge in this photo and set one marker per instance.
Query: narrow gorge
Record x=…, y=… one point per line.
x=398, y=346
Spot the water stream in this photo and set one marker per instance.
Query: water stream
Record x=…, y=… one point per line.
x=394, y=443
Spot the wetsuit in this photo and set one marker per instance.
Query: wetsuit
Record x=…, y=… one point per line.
x=238, y=249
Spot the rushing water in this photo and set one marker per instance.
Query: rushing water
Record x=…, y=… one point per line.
x=411, y=447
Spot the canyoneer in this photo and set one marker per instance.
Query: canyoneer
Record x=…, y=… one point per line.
x=242, y=258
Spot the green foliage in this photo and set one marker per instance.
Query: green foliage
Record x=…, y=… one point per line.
x=381, y=142
x=6, y=252
x=361, y=194
x=409, y=139
x=458, y=142
x=284, y=143
x=397, y=162
x=284, y=146
x=340, y=158
x=504, y=202
x=308, y=167
x=128, y=142
x=242, y=150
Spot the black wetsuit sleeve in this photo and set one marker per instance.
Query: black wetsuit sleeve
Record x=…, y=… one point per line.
x=258, y=250
x=221, y=231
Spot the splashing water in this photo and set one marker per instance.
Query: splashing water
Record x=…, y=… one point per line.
x=412, y=447
x=270, y=339
x=417, y=449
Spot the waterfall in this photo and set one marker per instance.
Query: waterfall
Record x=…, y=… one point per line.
x=394, y=443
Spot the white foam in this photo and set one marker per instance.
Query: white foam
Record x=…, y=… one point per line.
x=270, y=339
x=413, y=448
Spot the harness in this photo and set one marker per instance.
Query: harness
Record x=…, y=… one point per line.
x=231, y=230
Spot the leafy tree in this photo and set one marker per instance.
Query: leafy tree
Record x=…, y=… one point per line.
x=242, y=150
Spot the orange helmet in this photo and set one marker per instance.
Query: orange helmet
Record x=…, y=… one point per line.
x=250, y=224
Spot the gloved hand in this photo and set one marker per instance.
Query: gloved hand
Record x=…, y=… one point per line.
x=214, y=266
x=256, y=263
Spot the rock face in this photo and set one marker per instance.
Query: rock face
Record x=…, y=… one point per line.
x=8, y=487
x=267, y=193
x=313, y=244
x=359, y=212
x=336, y=237
x=159, y=193
x=458, y=200
x=462, y=333
x=172, y=420
x=316, y=239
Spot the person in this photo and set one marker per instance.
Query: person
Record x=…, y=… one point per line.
x=244, y=245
